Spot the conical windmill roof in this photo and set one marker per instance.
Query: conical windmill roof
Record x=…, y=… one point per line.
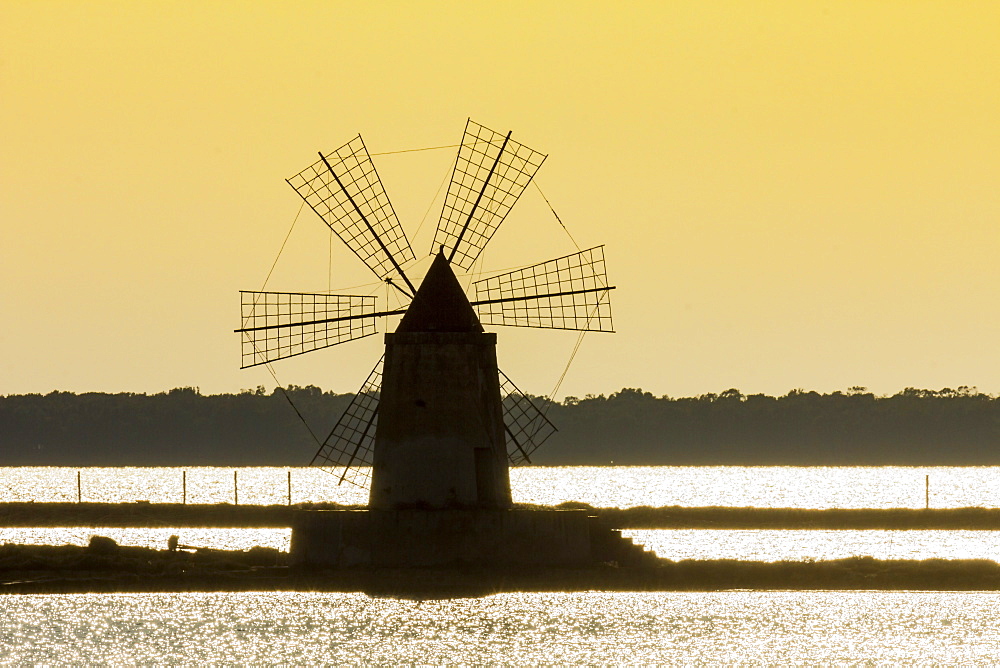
x=440, y=304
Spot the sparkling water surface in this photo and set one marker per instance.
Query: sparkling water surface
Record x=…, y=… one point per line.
x=794, y=487
x=806, y=545
x=612, y=486
x=776, y=628
x=152, y=537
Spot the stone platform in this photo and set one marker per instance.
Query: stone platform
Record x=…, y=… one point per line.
x=422, y=538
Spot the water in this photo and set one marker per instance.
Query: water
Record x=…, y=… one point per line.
x=805, y=545
x=153, y=537
x=775, y=628
x=778, y=628
x=616, y=486
x=794, y=487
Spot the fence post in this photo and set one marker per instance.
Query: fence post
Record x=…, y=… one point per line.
x=289, y=488
x=79, y=488
x=184, y=488
x=927, y=492
x=236, y=490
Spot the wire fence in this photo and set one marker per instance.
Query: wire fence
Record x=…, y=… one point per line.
x=195, y=485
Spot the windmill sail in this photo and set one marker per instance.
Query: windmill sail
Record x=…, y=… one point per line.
x=284, y=324
x=344, y=190
x=525, y=425
x=490, y=174
x=347, y=451
x=569, y=292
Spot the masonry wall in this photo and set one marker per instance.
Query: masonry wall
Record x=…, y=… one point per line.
x=414, y=538
x=440, y=441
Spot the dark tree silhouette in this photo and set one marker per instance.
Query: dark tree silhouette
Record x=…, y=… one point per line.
x=182, y=427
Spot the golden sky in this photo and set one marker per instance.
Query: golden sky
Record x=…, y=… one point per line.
x=792, y=194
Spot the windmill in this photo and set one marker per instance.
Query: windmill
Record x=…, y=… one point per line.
x=436, y=423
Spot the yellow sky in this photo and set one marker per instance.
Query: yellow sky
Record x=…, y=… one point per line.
x=791, y=194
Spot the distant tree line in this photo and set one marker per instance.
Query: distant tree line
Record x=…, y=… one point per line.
x=182, y=427
x=913, y=427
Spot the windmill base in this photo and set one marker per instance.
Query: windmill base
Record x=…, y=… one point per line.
x=421, y=538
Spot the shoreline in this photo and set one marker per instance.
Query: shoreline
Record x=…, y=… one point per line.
x=224, y=515
x=107, y=568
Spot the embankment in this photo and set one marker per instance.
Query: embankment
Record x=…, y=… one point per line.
x=104, y=568
x=642, y=517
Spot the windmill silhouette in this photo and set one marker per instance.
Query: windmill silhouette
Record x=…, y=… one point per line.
x=436, y=422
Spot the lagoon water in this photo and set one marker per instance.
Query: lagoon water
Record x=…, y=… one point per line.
x=815, y=545
x=529, y=628
x=715, y=628
x=792, y=487
x=613, y=486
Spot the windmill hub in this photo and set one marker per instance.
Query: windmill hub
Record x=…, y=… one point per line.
x=434, y=426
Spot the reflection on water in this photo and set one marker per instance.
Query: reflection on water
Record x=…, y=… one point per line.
x=528, y=628
x=153, y=537
x=256, y=485
x=621, y=486
x=759, y=486
x=531, y=628
x=796, y=545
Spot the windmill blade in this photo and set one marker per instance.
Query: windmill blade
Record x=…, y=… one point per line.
x=347, y=451
x=344, y=190
x=526, y=426
x=569, y=292
x=284, y=324
x=490, y=174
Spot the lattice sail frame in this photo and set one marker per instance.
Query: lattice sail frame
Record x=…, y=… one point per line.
x=357, y=208
x=490, y=174
x=525, y=425
x=570, y=292
x=277, y=325
x=348, y=452
x=349, y=449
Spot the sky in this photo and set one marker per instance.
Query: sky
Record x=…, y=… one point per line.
x=790, y=194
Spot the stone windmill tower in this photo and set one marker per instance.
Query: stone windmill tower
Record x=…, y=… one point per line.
x=435, y=424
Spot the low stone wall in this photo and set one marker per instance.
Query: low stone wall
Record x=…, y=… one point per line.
x=415, y=538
